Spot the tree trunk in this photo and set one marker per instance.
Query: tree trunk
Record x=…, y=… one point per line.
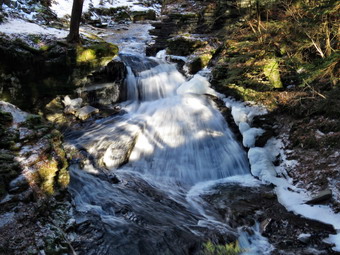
x=73, y=36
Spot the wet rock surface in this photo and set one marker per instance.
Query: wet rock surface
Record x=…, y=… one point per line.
x=243, y=206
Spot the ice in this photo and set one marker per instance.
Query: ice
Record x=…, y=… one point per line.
x=260, y=164
x=72, y=103
x=197, y=85
x=249, y=136
x=334, y=239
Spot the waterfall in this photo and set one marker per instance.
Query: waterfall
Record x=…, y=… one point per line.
x=165, y=143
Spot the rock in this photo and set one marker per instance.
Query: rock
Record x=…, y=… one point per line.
x=86, y=112
x=262, y=139
x=5, y=118
x=184, y=46
x=18, y=115
x=19, y=184
x=101, y=94
x=198, y=63
x=265, y=224
x=114, y=179
x=143, y=15
x=304, y=238
x=55, y=105
x=32, y=121
x=322, y=196
x=26, y=134
x=118, y=153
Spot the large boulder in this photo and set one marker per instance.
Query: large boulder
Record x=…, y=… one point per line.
x=31, y=76
x=184, y=45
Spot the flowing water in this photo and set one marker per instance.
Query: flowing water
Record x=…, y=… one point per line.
x=135, y=192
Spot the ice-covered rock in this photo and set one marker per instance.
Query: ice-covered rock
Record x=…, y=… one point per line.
x=72, y=105
x=249, y=136
x=197, y=85
x=18, y=115
x=86, y=112
x=260, y=164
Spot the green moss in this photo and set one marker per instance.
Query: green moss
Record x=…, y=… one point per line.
x=85, y=55
x=47, y=172
x=96, y=54
x=184, y=46
x=63, y=178
x=5, y=118
x=199, y=63
x=272, y=71
x=33, y=121
x=228, y=249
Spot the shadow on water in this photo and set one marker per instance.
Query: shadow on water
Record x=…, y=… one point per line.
x=157, y=151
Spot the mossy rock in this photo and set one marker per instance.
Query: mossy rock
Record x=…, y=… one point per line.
x=96, y=55
x=144, y=15
x=184, y=46
x=41, y=74
x=272, y=71
x=47, y=171
x=6, y=118
x=199, y=63
x=9, y=138
x=32, y=121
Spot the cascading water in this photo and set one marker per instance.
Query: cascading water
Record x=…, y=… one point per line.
x=168, y=140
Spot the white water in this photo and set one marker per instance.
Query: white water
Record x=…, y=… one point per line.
x=181, y=137
x=160, y=148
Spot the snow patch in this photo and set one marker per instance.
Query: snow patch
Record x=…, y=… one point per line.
x=64, y=7
x=261, y=163
x=19, y=26
x=334, y=239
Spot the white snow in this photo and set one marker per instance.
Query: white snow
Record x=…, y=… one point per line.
x=242, y=112
x=334, y=239
x=261, y=162
x=295, y=201
x=19, y=26
x=64, y=7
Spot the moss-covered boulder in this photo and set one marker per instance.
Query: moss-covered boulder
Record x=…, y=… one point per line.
x=184, y=46
x=143, y=15
x=32, y=75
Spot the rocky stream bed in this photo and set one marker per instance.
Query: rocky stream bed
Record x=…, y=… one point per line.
x=58, y=194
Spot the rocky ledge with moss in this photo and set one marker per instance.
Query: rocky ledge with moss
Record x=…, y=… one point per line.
x=37, y=68
x=33, y=179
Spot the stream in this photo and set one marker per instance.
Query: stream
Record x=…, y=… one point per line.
x=139, y=191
